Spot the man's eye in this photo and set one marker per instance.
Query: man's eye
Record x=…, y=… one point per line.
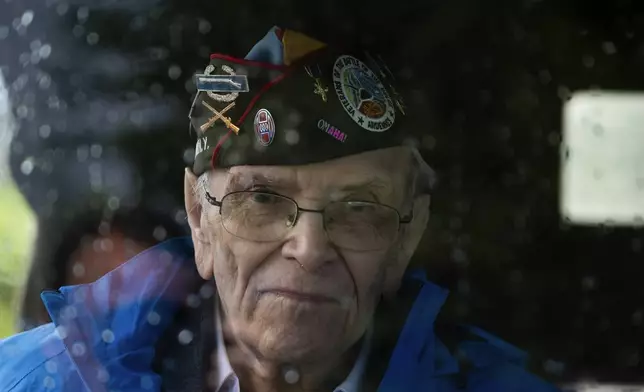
x=263, y=198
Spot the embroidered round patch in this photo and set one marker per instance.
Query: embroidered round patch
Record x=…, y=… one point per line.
x=363, y=95
x=264, y=127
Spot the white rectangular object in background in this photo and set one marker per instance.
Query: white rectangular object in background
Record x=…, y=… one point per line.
x=602, y=163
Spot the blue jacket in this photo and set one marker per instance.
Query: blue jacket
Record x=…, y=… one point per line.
x=119, y=334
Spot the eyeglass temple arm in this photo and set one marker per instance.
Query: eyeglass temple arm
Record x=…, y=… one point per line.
x=212, y=200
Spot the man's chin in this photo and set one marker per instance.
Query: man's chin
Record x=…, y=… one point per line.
x=298, y=345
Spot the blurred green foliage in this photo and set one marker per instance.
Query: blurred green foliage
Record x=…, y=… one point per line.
x=17, y=228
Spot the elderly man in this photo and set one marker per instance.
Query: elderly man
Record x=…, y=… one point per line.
x=305, y=206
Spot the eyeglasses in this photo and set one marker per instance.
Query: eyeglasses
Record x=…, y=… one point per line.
x=267, y=217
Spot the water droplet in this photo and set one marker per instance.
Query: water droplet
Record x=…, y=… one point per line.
x=193, y=301
x=588, y=282
x=185, y=337
x=61, y=332
x=78, y=270
x=4, y=32
x=588, y=61
x=82, y=153
x=291, y=375
x=78, y=31
x=598, y=130
x=103, y=376
x=27, y=18
x=93, y=38
x=35, y=45
x=174, y=72
x=62, y=9
x=82, y=14
x=113, y=203
x=154, y=318
x=27, y=166
x=22, y=111
x=598, y=174
x=107, y=336
x=206, y=291
x=146, y=382
x=78, y=349
x=292, y=137
x=96, y=150
x=51, y=367
x=204, y=26
x=553, y=367
x=44, y=131
x=159, y=233
x=609, y=48
x=44, y=82
x=49, y=383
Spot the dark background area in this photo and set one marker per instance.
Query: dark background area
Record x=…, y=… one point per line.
x=488, y=81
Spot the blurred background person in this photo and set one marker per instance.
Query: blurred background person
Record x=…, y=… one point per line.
x=86, y=248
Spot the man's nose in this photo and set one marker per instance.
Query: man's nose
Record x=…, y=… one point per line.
x=308, y=244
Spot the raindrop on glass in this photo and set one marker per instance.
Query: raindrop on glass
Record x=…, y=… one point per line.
x=78, y=349
x=82, y=153
x=154, y=318
x=160, y=233
x=609, y=48
x=103, y=376
x=204, y=26
x=588, y=61
x=588, y=283
x=78, y=270
x=292, y=137
x=174, y=72
x=78, y=31
x=4, y=32
x=27, y=166
x=598, y=130
x=185, y=337
x=51, y=367
x=146, y=382
x=107, y=336
x=82, y=14
x=22, y=111
x=49, y=383
x=27, y=18
x=92, y=38
x=62, y=9
x=96, y=150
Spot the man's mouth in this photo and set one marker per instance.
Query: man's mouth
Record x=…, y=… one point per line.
x=300, y=296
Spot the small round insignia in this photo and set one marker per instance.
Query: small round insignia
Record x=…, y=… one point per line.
x=264, y=127
x=362, y=94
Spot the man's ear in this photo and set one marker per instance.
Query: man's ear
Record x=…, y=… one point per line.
x=194, y=212
x=410, y=238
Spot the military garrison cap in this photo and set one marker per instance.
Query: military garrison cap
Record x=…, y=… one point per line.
x=294, y=100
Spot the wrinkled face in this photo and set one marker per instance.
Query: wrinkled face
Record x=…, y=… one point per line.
x=302, y=297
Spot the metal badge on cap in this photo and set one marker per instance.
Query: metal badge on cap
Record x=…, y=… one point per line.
x=219, y=115
x=362, y=94
x=232, y=84
x=264, y=127
x=319, y=88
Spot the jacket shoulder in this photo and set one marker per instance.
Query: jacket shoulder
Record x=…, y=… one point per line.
x=37, y=360
x=491, y=364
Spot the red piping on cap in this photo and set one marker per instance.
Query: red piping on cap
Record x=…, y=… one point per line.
x=253, y=63
x=287, y=71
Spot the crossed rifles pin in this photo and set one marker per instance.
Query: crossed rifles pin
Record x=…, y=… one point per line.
x=219, y=116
